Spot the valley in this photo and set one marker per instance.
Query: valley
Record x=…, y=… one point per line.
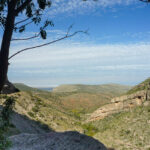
x=73, y=107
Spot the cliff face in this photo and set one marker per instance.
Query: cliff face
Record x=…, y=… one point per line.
x=122, y=103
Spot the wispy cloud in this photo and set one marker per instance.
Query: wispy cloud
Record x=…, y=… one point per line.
x=79, y=63
x=65, y=6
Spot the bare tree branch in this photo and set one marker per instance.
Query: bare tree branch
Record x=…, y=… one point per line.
x=69, y=29
x=27, y=23
x=29, y=38
x=25, y=19
x=22, y=21
x=38, y=46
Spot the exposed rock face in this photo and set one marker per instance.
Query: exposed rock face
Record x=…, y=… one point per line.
x=55, y=141
x=9, y=88
x=122, y=103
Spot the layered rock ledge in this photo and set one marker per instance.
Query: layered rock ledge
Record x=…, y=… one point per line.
x=122, y=103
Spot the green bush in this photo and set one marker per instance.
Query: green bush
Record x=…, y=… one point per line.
x=35, y=109
x=76, y=113
x=31, y=114
x=5, y=122
x=89, y=129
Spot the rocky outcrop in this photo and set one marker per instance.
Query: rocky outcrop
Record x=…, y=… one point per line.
x=55, y=141
x=9, y=88
x=122, y=103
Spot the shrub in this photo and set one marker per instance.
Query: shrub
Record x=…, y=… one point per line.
x=35, y=109
x=31, y=114
x=89, y=129
x=5, y=122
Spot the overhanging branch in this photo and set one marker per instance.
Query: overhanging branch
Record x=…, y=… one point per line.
x=38, y=46
x=22, y=21
x=29, y=38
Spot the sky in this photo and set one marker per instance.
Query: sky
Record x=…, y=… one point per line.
x=116, y=49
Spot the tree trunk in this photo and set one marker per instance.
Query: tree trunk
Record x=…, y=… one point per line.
x=4, y=53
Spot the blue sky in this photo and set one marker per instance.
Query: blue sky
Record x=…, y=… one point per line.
x=117, y=49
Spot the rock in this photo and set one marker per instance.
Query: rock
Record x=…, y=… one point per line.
x=146, y=103
x=55, y=141
x=9, y=88
x=122, y=103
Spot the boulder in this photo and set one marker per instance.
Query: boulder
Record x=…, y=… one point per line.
x=55, y=141
x=9, y=88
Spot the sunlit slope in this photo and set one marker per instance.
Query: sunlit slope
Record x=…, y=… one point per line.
x=142, y=86
x=45, y=111
x=23, y=87
x=80, y=98
x=114, y=89
x=126, y=130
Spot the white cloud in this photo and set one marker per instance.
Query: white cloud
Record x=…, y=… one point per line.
x=108, y=57
x=69, y=6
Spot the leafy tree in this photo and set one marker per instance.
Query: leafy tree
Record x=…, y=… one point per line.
x=147, y=1
x=10, y=11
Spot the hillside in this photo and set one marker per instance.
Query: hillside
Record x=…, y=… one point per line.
x=114, y=89
x=142, y=86
x=124, y=123
x=126, y=130
x=84, y=100
x=23, y=87
x=37, y=113
x=43, y=111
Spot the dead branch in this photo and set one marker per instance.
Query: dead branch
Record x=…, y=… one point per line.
x=26, y=24
x=69, y=29
x=29, y=38
x=22, y=21
x=38, y=46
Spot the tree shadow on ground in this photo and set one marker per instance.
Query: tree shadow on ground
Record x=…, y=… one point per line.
x=26, y=133
x=23, y=124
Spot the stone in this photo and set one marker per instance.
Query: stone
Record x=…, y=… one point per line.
x=9, y=88
x=122, y=103
x=55, y=141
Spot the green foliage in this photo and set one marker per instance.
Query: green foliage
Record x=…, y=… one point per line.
x=7, y=110
x=5, y=122
x=31, y=114
x=35, y=109
x=33, y=12
x=89, y=129
x=4, y=143
x=76, y=113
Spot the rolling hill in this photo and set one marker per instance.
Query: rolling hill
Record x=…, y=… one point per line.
x=114, y=89
x=23, y=87
x=142, y=86
x=37, y=111
x=125, y=130
x=79, y=98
